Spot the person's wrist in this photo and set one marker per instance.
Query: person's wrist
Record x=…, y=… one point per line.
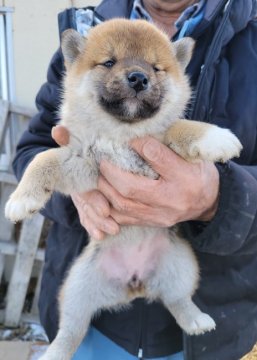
x=210, y=212
x=211, y=196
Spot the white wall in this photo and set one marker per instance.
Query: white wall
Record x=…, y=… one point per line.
x=35, y=35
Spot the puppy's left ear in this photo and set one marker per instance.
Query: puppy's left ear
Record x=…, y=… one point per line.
x=72, y=44
x=183, y=49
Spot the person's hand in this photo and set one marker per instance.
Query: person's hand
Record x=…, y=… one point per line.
x=93, y=208
x=184, y=191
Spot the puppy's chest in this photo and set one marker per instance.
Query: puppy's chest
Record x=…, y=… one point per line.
x=120, y=154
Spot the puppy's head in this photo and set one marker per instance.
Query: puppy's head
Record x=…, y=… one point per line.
x=130, y=68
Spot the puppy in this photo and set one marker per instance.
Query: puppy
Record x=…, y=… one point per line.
x=125, y=80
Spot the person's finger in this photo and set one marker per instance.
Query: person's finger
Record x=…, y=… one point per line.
x=96, y=200
x=151, y=217
x=162, y=159
x=92, y=230
x=96, y=222
x=123, y=219
x=128, y=185
x=119, y=202
x=94, y=211
x=61, y=135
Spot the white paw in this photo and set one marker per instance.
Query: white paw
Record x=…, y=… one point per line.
x=20, y=207
x=216, y=144
x=201, y=324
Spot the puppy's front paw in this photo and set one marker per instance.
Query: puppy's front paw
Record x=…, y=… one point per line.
x=216, y=144
x=21, y=206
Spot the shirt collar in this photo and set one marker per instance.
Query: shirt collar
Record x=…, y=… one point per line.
x=189, y=12
x=139, y=12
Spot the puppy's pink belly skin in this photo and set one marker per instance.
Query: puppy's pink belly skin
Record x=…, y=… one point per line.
x=138, y=258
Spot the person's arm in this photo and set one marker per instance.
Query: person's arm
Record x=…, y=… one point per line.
x=233, y=229
x=37, y=138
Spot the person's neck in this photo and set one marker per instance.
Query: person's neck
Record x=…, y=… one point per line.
x=165, y=14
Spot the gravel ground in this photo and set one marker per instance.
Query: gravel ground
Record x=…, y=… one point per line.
x=28, y=331
x=252, y=355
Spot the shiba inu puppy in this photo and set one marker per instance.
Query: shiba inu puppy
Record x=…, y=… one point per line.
x=124, y=80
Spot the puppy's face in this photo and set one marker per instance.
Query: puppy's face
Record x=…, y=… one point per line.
x=128, y=67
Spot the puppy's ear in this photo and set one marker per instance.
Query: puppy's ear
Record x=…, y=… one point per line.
x=72, y=44
x=183, y=50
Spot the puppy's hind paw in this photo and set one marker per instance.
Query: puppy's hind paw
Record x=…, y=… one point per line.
x=216, y=144
x=200, y=325
x=54, y=355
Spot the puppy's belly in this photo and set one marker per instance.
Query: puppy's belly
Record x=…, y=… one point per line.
x=132, y=263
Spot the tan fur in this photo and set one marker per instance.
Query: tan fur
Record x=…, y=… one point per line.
x=103, y=112
x=184, y=137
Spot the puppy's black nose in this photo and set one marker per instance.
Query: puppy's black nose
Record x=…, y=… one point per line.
x=138, y=81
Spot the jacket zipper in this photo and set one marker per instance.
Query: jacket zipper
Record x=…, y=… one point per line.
x=140, y=354
x=141, y=323
x=186, y=340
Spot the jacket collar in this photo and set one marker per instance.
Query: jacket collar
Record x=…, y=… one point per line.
x=212, y=8
x=109, y=9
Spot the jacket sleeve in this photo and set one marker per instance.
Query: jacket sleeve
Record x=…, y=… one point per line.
x=234, y=227
x=37, y=138
x=233, y=230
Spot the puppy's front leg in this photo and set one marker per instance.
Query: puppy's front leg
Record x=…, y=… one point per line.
x=35, y=187
x=52, y=170
x=194, y=140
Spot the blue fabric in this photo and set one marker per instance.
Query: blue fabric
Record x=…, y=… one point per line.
x=96, y=346
x=190, y=24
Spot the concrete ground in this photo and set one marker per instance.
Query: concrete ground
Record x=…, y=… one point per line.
x=21, y=350
x=25, y=350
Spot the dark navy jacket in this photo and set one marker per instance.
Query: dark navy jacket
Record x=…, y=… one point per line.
x=223, y=72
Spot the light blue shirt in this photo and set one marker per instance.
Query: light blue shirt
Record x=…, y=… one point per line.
x=185, y=24
x=96, y=346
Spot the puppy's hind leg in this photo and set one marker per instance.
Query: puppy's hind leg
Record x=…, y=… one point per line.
x=175, y=282
x=84, y=293
x=189, y=317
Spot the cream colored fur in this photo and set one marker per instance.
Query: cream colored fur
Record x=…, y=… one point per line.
x=140, y=261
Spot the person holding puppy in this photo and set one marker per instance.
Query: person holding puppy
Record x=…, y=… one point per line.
x=216, y=204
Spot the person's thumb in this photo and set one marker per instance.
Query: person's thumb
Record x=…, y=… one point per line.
x=61, y=135
x=156, y=154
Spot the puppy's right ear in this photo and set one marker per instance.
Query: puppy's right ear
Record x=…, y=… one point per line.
x=72, y=44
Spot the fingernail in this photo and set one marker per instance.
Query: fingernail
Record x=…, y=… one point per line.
x=96, y=234
x=149, y=150
x=103, y=164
